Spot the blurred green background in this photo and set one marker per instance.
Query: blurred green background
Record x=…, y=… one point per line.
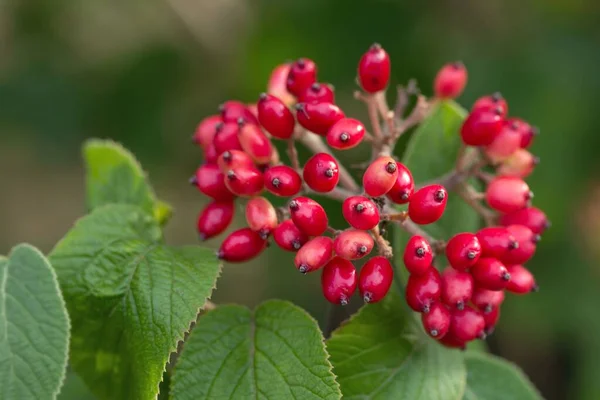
x=144, y=72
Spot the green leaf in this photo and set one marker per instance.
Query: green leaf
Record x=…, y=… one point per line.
x=375, y=356
x=275, y=352
x=34, y=327
x=115, y=176
x=492, y=378
x=131, y=298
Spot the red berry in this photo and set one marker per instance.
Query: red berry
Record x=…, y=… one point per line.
x=353, y=244
x=451, y=341
x=232, y=111
x=480, y=128
x=255, y=143
x=491, y=319
x=288, y=236
x=418, y=255
x=527, y=244
x=309, y=216
x=283, y=181
x=321, y=173
x=490, y=103
x=275, y=116
x=531, y=217
x=404, y=186
x=277, y=84
x=226, y=137
x=338, y=281
x=380, y=176
x=521, y=280
x=211, y=181
x=210, y=154
x=215, y=218
x=346, y=134
x=450, y=81
x=374, y=69
x=427, y=204
x=463, y=250
x=303, y=73
x=205, y=132
x=519, y=165
x=360, y=212
x=317, y=93
x=487, y=300
x=424, y=290
x=507, y=194
x=496, y=242
x=241, y=245
x=318, y=117
x=375, y=279
x=244, y=181
x=232, y=159
x=261, y=216
x=490, y=274
x=253, y=108
x=528, y=132
x=437, y=321
x=467, y=324
x=505, y=144
x=457, y=287
x=314, y=254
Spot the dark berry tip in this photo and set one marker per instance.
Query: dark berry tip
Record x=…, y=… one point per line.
x=362, y=249
x=296, y=245
x=439, y=195
x=220, y=254
x=359, y=207
x=219, y=126
x=498, y=110
x=303, y=268
x=202, y=236
x=263, y=96
x=404, y=196
x=548, y=225
x=489, y=330
x=294, y=205
x=315, y=87
x=488, y=309
x=514, y=125
x=513, y=245
x=420, y=251
x=299, y=106
x=193, y=180
x=535, y=288
x=264, y=234
x=391, y=167
x=367, y=297
x=425, y=309
x=434, y=332
x=275, y=182
x=329, y=173
x=536, y=160
x=458, y=65
x=231, y=175
x=482, y=335
x=301, y=62
x=506, y=276
x=496, y=96
x=536, y=238
x=344, y=137
x=221, y=107
x=471, y=255
x=227, y=156
x=375, y=46
x=460, y=305
x=241, y=121
x=529, y=195
x=343, y=301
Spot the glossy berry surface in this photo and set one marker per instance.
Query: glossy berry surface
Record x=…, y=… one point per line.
x=450, y=81
x=232, y=111
x=360, y=212
x=374, y=69
x=532, y=217
x=451, y=341
x=345, y=134
x=282, y=180
x=275, y=117
x=317, y=93
x=277, y=84
x=215, y=218
x=308, y=215
x=457, y=287
x=418, y=255
x=302, y=74
x=255, y=143
x=380, y=176
x=288, y=236
x=261, y=216
x=463, y=250
x=375, y=279
x=437, y=321
x=522, y=280
x=490, y=103
x=241, y=245
x=244, y=181
x=480, y=128
x=404, y=186
x=321, y=173
x=314, y=254
x=210, y=154
x=353, y=244
x=226, y=137
x=338, y=281
x=210, y=180
x=487, y=300
x=427, y=204
x=424, y=290
x=491, y=319
x=467, y=324
x=496, y=242
x=318, y=117
x=507, y=194
x=505, y=144
x=528, y=132
x=490, y=274
x=231, y=159
x=519, y=165
x=527, y=244
x=205, y=132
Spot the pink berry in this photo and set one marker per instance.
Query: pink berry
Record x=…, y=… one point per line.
x=467, y=324
x=528, y=132
x=226, y=137
x=491, y=319
x=244, y=181
x=303, y=73
x=314, y=254
x=318, y=117
x=457, y=287
x=424, y=290
x=505, y=144
x=255, y=143
x=261, y=216
x=487, y=300
x=427, y=204
x=345, y=134
x=519, y=165
x=338, y=281
x=418, y=255
x=232, y=159
x=282, y=180
x=210, y=154
x=321, y=173
x=437, y=321
x=317, y=93
x=289, y=237
x=211, y=181
x=404, y=186
x=380, y=176
x=353, y=244
x=521, y=280
x=309, y=216
x=531, y=217
x=277, y=85
x=527, y=244
x=450, y=81
x=232, y=111
x=360, y=212
x=375, y=279
x=507, y=194
x=490, y=274
x=205, y=132
x=496, y=242
x=241, y=245
x=463, y=250
x=374, y=69
x=215, y=218
x=480, y=128
x=451, y=341
x=275, y=117
x=490, y=103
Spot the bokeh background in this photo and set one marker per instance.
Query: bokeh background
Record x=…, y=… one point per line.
x=144, y=72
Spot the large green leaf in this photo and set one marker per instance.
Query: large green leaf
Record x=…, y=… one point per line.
x=376, y=356
x=131, y=298
x=275, y=352
x=115, y=176
x=34, y=327
x=492, y=378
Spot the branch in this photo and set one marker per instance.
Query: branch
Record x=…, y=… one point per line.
x=469, y=195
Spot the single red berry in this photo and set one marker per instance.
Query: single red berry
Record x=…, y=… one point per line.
x=404, y=186
x=303, y=73
x=528, y=132
x=457, y=287
x=314, y=254
x=353, y=244
x=491, y=319
x=346, y=134
x=309, y=216
x=527, y=244
x=463, y=250
x=338, y=281
x=480, y=128
x=490, y=103
x=467, y=324
x=261, y=216
x=255, y=143
x=531, y=217
x=289, y=237
x=205, y=132
x=521, y=280
x=507, y=194
x=244, y=181
x=437, y=321
x=277, y=85
x=215, y=218
x=375, y=279
x=232, y=159
x=226, y=137
x=232, y=111
x=360, y=212
x=275, y=116
x=317, y=93
x=210, y=154
x=496, y=242
x=424, y=290
x=321, y=173
x=450, y=81
x=241, y=245
x=283, y=181
x=318, y=117
x=519, y=165
x=211, y=181
x=487, y=300
x=374, y=69
x=427, y=204
x=505, y=144
x=418, y=255
x=451, y=341
x=490, y=274
x=380, y=176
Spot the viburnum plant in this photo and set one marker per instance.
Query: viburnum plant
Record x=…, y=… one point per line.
x=439, y=223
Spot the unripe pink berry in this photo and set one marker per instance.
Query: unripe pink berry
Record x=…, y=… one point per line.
x=450, y=81
x=528, y=132
x=437, y=321
x=233, y=110
x=427, y=204
x=241, y=245
x=374, y=69
x=518, y=165
x=375, y=279
x=463, y=250
x=424, y=290
x=302, y=74
x=457, y=287
x=211, y=181
x=317, y=93
x=314, y=254
x=282, y=180
x=255, y=143
x=353, y=244
x=522, y=280
x=507, y=194
x=205, y=132
x=215, y=218
x=487, y=300
x=318, y=117
x=490, y=274
x=505, y=144
x=360, y=212
x=261, y=216
x=467, y=324
x=277, y=85
x=380, y=176
x=308, y=215
x=275, y=116
x=345, y=134
x=490, y=103
x=480, y=128
x=531, y=217
x=404, y=186
x=232, y=159
x=321, y=173
x=289, y=237
x=418, y=255
x=338, y=281
x=244, y=181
